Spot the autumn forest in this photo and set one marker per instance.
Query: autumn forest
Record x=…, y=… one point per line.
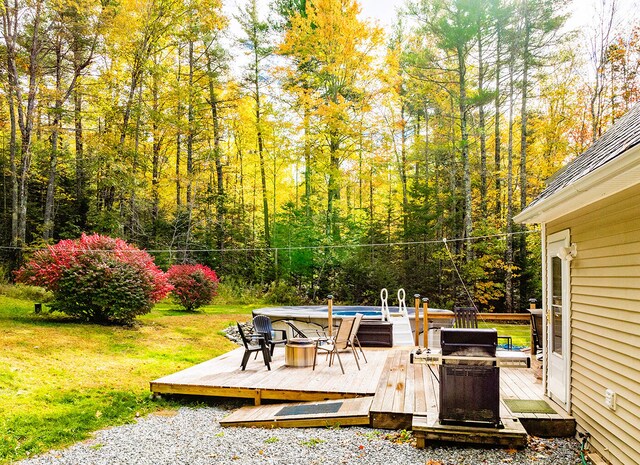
x=299, y=148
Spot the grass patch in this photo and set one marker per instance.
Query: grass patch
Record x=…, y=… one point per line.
x=520, y=334
x=22, y=291
x=312, y=442
x=61, y=379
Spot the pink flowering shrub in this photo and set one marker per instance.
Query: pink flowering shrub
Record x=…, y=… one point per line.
x=193, y=285
x=97, y=278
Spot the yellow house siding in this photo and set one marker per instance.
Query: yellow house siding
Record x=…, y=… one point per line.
x=605, y=322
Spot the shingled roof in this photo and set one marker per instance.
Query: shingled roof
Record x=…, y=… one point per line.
x=622, y=136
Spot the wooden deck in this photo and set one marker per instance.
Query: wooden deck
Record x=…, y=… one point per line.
x=400, y=395
x=222, y=377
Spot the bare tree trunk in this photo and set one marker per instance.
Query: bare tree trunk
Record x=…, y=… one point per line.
x=217, y=136
x=523, y=112
x=256, y=38
x=155, y=157
x=135, y=162
x=190, y=130
x=360, y=172
x=426, y=144
x=179, y=130
x=25, y=116
x=53, y=158
x=61, y=97
x=81, y=171
x=599, y=47
x=333, y=189
x=526, y=59
x=307, y=162
x=403, y=172
x=263, y=175
x=13, y=148
x=482, y=129
x=464, y=142
x=509, y=250
x=497, y=157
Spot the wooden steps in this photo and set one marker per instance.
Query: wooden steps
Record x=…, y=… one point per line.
x=427, y=428
x=350, y=412
x=401, y=392
x=522, y=384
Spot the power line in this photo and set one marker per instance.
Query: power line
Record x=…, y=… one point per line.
x=304, y=247
x=455, y=267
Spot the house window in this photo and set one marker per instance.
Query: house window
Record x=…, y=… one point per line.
x=556, y=305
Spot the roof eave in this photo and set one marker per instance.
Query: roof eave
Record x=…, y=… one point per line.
x=618, y=174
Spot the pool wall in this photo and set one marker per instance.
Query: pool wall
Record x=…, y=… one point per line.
x=314, y=317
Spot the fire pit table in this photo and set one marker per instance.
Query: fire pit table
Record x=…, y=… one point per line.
x=299, y=352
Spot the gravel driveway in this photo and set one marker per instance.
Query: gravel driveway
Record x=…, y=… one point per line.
x=193, y=436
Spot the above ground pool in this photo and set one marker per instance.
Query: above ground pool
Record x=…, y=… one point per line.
x=315, y=317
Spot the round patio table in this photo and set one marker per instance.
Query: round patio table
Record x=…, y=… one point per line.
x=299, y=352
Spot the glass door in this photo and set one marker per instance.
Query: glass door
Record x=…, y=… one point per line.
x=557, y=317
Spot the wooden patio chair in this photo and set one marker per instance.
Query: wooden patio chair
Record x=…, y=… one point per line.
x=353, y=338
x=334, y=345
x=537, y=349
x=262, y=325
x=253, y=344
x=467, y=317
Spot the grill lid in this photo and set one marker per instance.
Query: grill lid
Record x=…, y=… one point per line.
x=469, y=342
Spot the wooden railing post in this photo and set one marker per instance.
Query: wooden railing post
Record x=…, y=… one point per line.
x=330, y=314
x=416, y=317
x=425, y=330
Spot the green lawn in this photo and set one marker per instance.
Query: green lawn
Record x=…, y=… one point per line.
x=60, y=380
x=520, y=334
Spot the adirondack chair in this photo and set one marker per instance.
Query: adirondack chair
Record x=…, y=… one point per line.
x=467, y=317
x=262, y=325
x=253, y=345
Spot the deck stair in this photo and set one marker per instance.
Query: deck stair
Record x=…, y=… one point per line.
x=427, y=428
x=344, y=412
x=402, y=334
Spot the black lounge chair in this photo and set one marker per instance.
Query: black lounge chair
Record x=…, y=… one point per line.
x=253, y=343
x=262, y=326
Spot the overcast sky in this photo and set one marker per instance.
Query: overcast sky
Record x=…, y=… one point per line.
x=583, y=15
x=582, y=11
x=382, y=10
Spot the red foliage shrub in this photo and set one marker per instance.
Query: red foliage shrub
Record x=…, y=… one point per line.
x=193, y=285
x=93, y=263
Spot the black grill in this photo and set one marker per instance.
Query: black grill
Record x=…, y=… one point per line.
x=469, y=389
x=466, y=342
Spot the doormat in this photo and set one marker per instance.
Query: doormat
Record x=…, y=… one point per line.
x=528, y=406
x=309, y=409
